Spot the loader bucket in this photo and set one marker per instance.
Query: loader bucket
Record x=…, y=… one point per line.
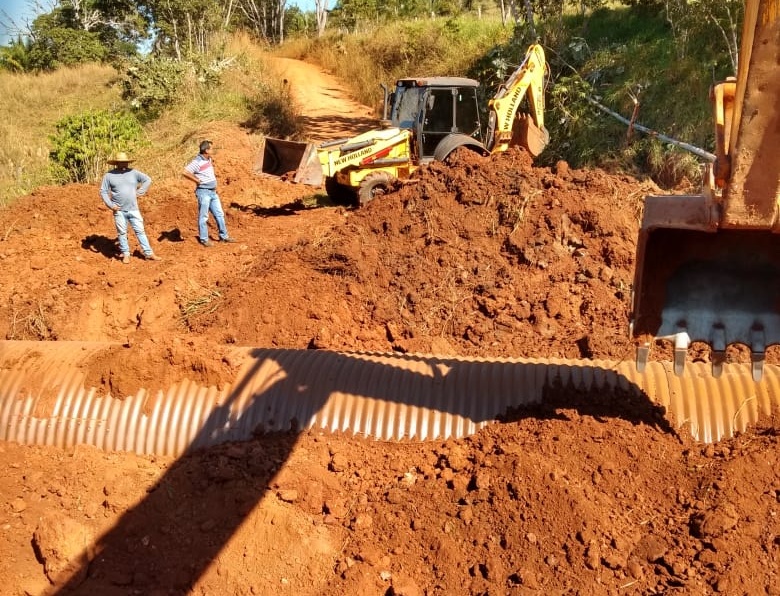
x=292, y=160
x=697, y=282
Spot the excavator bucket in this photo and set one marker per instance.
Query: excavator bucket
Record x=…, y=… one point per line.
x=698, y=283
x=291, y=160
x=708, y=266
x=527, y=134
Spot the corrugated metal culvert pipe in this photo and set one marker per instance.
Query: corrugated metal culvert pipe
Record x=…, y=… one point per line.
x=43, y=400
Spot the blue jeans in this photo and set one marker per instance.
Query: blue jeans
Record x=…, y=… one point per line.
x=121, y=219
x=208, y=202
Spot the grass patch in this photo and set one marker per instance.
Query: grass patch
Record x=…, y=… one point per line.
x=32, y=324
x=197, y=302
x=626, y=58
x=33, y=103
x=248, y=93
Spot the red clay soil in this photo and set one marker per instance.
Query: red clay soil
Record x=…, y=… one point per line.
x=485, y=257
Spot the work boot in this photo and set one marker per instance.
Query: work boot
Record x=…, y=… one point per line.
x=126, y=258
x=205, y=243
x=152, y=257
x=228, y=239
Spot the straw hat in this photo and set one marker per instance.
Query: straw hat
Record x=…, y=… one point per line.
x=120, y=157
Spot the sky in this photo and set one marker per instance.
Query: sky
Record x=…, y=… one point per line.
x=18, y=10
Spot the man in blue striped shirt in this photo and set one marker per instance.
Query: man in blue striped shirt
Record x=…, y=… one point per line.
x=201, y=171
x=120, y=190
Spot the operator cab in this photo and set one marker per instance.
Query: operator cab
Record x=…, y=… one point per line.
x=435, y=107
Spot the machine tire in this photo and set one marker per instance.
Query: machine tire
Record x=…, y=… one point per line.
x=373, y=185
x=451, y=142
x=339, y=193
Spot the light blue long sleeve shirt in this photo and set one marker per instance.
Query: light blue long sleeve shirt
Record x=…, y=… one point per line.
x=121, y=188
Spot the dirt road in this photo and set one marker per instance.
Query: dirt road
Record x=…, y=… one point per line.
x=327, y=111
x=590, y=494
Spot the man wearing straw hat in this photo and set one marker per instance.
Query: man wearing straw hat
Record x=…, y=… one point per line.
x=120, y=190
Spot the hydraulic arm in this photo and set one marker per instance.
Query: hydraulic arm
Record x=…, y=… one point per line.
x=527, y=80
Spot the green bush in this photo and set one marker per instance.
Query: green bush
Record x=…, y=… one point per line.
x=84, y=142
x=152, y=83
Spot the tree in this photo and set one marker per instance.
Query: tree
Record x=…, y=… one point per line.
x=266, y=18
x=126, y=19
x=75, y=31
x=254, y=15
x=280, y=9
x=296, y=21
x=184, y=27
x=15, y=57
x=697, y=19
x=55, y=43
x=321, y=10
x=22, y=28
x=348, y=13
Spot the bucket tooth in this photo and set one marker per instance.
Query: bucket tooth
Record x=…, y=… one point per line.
x=757, y=365
x=758, y=337
x=679, y=361
x=718, y=359
x=642, y=356
x=681, y=343
x=718, y=343
x=757, y=351
x=718, y=338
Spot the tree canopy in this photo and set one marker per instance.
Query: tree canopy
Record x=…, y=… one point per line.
x=75, y=31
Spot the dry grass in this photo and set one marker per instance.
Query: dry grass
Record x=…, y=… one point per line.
x=32, y=105
x=197, y=301
x=512, y=209
x=31, y=324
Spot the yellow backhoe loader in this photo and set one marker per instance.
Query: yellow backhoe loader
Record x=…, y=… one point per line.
x=425, y=119
x=708, y=266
